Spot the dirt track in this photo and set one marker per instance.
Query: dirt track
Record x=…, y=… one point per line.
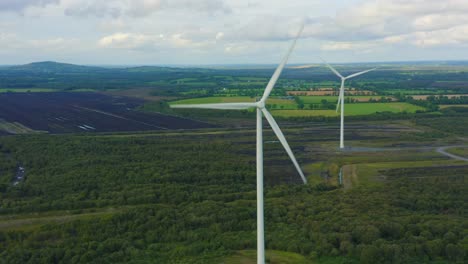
x=442, y=151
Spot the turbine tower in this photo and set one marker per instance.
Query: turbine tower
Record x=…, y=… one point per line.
x=261, y=111
x=341, y=96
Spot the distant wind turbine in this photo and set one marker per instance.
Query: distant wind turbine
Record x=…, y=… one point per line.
x=341, y=96
x=261, y=110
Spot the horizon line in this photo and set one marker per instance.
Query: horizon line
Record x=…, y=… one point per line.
x=236, y=64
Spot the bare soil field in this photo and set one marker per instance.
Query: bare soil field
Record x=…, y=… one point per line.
x=85, y=112
x=141, y=93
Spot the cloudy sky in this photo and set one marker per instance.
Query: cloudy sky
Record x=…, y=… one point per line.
x=161, y=32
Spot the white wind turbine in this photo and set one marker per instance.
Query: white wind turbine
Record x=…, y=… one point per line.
x=261, y=110
x=341, y=96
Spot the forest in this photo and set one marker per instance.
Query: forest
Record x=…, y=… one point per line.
x=189, y=197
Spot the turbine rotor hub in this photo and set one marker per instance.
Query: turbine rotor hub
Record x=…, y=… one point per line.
x=261, y=104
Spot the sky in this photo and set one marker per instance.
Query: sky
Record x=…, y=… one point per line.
x=206, y=32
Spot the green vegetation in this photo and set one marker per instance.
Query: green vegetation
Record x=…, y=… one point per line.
x=189, y=196
x=272, y=256
x=364, y=109
x=454, y=125
x=353, y=110
x=333, y=99
x=212, y=100
x=159, y=197
x=304, y=113
x=463, y=152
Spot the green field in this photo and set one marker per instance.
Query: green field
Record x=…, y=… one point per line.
x=215, y=100
x=463, y=152
x=453, y=105
x=271, y=256
x=333, y=99
x=353, y=110
x=287, y=104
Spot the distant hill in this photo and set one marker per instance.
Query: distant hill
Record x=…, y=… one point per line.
x=54, y=67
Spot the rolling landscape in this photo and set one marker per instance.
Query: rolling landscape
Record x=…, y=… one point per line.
x=115, y=175
x=233, y=132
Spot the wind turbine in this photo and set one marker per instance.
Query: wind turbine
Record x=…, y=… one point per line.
x=341, y=96
x=261, y=111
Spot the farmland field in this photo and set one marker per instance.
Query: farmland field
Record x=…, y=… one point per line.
x=234, y=99
x=353, y=109
x=329, y=92
x=333, y=99
x=447, y=106
x=82, y=112
x=450, y=96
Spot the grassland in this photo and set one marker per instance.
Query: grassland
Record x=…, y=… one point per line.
x=353, y=110
x=279, y=103
x=369, y=174
x=448, y=106
x=214, y=100
x=333, y=99
x=463, y=152
x=285, y=102
x=271, y=256
x=289, y=108
x=304, y=113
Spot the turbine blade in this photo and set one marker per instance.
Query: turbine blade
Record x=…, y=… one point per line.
x=227, y=106
x=341, y=94
x=339, y=102
x=332, y=69
x=278, y=70
x=359, y=73
x=283, y=141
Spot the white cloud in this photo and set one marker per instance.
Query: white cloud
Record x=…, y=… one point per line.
x=145, y=42
x=140, y=8
x=456, y=36
x=127, y=41
x=394, y=39
x=20, y=5
x=340, y=46
x=237, y=30
x=219, y=36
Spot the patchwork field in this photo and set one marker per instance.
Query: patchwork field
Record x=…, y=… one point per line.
x=277, y=102
x=450, y=96
x=457, y=105
x=333, y=99
x=353, y=109
x=328, y=91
